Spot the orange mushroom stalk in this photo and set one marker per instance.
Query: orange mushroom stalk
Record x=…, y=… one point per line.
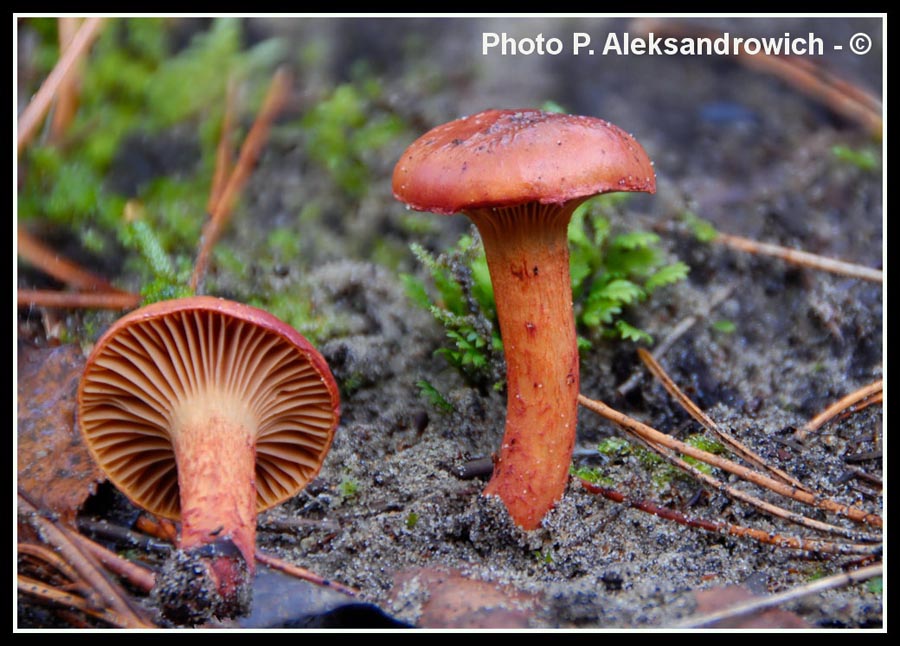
x=519, y=175
x=208, y=411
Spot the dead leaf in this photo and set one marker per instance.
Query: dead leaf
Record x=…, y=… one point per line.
x=454, y=601
x=719, y=599
x=55, y=470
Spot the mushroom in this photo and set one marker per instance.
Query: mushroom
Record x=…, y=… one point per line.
x=519, y=175
x=208, y=411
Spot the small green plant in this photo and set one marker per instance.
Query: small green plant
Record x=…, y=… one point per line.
x=348, y=488
x=724, y=326
x=544, y=557
x=165, y=281
x=700, y=441
x=866, y=159
x=613, y=447
x=462, y=301
x=592, y=475
x=293, y=306
x=875, y=586
x=702, y=229
x=610, y=273
x=434, y=396
x=661, y=472
x=412, y=519
x=552, y=106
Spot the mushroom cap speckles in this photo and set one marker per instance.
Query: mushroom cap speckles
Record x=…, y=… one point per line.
x=499, y=158
x=198, y=352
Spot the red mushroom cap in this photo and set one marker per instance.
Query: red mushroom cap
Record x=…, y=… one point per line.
x=502, y=157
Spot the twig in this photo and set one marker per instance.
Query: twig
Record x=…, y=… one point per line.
x=136, y=575
x=110, y=594
x=719, y=527
x=37, y=108
x=274, y=101
x=67, y=94
x=855, y=472
x=102, y=529
x=840, y=96
x=802, y=258
x=96, y=292
x=77, y=300
x=158, y=528
x=47, y=555
x=477, y=468
x=695, y=411
x=677, y=332
x=762, y=505
x=294, y=524
x=652, y=435
x=45, y=593
x=50, y=262
x=755, y=605
x=865, y=396
x=302, y=573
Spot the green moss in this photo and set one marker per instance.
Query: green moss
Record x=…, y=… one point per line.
x=295, y=309
x=724, y=326
x=875, y=586
x=434, y=396
x=93, y=240
x=703, y=230
x=416, y=224
x=343, y=129
x=544, y=557
x=140, y=236
x=351, y=383
x=648, y=459
x=553, y=106
x=614, y=447
x=387, y=252
x=229, y=261
x=592, y=475
x=866, y=159
x=412, y=519
x=284, y=244
x=704, y=443
x=178, y=209
x=348, y=488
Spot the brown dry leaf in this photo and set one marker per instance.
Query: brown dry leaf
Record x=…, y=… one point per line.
x=720, y=599
x=55, y=470
x=453, y=601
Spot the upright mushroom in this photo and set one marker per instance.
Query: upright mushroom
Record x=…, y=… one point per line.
x=208, y=411
x=519, y=175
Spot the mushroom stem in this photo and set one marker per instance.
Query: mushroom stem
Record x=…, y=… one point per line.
x=216, y=460
x=528, y=258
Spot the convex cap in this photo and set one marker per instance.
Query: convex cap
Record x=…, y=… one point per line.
x=498, y=158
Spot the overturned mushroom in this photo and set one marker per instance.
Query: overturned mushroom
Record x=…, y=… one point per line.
x=519, y=175
x=208, y=411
